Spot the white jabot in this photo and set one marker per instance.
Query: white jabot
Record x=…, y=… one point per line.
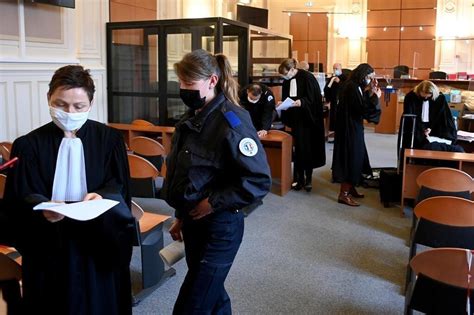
x=425, y=111
x=70, y=175
x=293, y=88
x=360, y=90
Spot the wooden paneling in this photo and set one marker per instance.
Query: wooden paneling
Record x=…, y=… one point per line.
x=383, y=4
x=418, y=17
x=392, y=33
x=383, y=18
x=413, y=32
x=301, y=46
x=383, y=53
x=318, y=27
x=417, y=4
x=313, y=48
x=425, y=49
x=299, y=26
x=124, y=10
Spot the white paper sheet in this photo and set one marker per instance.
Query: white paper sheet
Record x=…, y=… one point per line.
x=287, y=103
x=172, y=253
x=82, y=211
x=440, y=140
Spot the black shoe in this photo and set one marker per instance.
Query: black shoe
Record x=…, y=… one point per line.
x=308, y=187
x=296, y=186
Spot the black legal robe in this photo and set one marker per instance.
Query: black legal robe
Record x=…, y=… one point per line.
x=441, y=120
x=72, y=267
x=261, y=112
x=306, y=122
x=350, y=157
x=332, y=95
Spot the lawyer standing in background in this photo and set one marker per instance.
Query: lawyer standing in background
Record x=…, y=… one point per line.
x=305, y=118
x=358, y=100
x=331, y=93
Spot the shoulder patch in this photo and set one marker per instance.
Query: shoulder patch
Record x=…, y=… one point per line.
x=269, y=98
x=248, y=147
x=232, y=118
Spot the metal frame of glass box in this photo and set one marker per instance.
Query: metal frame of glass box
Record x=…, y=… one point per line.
x=141, y=83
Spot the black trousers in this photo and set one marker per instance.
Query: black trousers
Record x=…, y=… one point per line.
x=211, y=245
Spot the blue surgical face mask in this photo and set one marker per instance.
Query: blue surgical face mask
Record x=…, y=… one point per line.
x=337, y=72
x=367, y=81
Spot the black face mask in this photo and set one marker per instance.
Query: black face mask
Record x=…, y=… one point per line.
x=192, y=98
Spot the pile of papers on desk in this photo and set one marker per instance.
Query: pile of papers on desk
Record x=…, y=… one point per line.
x=465, y=136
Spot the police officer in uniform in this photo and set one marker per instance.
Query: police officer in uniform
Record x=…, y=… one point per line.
x=258, y=99
x=216, y=166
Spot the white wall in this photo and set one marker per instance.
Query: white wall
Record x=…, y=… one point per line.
x=26, y=71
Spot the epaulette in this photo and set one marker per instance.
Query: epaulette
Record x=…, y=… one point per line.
x=232, y=118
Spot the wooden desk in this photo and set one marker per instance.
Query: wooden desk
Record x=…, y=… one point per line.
x=278, y=147
x=131, y=131
x=463, y=161
x=391, y=112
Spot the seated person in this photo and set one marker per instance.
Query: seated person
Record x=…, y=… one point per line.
x=434, y=119
x=258, y=99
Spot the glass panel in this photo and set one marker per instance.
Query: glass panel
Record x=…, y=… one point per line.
x=263, y=48
x=178, y=45
x=49, y=17
x=9, y=19
x=134, y=57
x=129, y=108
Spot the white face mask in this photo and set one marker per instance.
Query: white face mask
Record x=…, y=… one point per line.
x=68, y=121
x=252, y=101
x=337, y=72
x=367, y=81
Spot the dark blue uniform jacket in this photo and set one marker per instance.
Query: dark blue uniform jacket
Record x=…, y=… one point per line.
x=210, y=158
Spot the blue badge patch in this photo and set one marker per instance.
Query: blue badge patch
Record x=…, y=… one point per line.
x=232, y=118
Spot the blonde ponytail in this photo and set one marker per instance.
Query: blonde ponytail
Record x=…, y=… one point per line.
x=227, y=83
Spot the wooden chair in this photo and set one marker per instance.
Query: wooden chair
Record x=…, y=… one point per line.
x=150, y=149
x=3, y=180
x=10, y=277
x=5, y=149
x=145, y=177
x=150, y=242
x=442, y=281
x=443, y=221
x=142, y=122
x=445, y=179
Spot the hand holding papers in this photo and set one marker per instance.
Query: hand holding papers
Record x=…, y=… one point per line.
x=172, y=253
x=82, y=211
x=287, y=103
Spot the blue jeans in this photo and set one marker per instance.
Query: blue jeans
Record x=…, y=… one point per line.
x=211, y=244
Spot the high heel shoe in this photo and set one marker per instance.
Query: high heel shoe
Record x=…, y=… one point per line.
x=345, y=198
x=355, y=194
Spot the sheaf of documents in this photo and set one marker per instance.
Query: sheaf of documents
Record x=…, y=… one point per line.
x=82, y=211
x=439, y=140
x=287, y=103
x=172, y=253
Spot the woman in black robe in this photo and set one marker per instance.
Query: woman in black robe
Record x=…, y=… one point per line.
x=305, y=118
x=358, y=100
x=71, y=266
x=433, y=117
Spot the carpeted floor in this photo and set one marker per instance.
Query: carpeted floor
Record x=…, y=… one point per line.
x=304, y=253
